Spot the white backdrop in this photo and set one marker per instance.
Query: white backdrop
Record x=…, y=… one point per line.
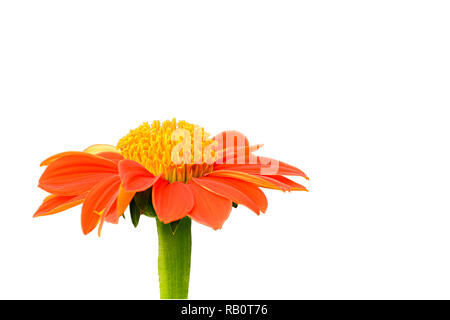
x=355, y=93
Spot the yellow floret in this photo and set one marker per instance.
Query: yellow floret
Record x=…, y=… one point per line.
x=172, y=149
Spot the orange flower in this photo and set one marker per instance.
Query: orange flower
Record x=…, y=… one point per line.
x=190, y=175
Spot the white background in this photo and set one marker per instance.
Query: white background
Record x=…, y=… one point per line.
x=355, y=93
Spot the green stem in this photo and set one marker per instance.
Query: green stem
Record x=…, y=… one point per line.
x=174, y=259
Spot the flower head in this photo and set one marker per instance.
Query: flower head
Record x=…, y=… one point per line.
x=189, y=174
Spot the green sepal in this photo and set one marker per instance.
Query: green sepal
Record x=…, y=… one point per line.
x=144, y=203
x=141, y=199
x=135, y=213
x=235, y=205
x=149, y=210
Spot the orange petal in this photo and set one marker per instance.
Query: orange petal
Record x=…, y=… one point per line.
x=283, y=168
x=134, y=176
x=294, y=186
x=109, y=214
x=54, y=204
x=49, y=160
x=97, y=200
x=94, y=149
x=123, y=200
x=238, y=191
x=233, y=155
x=209, y=208
x=172, y=201
x=100, y=224
x=76, y=174
x=113, y=156
x=255, y=179
x=262, y=164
